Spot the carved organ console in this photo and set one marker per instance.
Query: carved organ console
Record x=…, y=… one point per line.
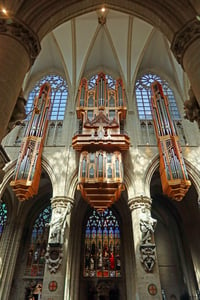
x=174, y=177
x=100, y=139
x=28, y=168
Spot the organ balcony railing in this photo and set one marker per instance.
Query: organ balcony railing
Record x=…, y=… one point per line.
x=174, y=177
x=27, y=173
x=100, y=139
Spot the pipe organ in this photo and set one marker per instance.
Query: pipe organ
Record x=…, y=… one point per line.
x=174, y=177
x=28, y=168
x=100, y=140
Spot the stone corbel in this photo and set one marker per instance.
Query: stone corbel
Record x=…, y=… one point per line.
x=54, y=256
x=148, y=256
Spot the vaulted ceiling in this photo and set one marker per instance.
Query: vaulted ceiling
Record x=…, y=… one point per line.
x=119, y=44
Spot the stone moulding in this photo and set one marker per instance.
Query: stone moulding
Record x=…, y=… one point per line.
x=184, y=38
x=54, y=256
x=18, y=30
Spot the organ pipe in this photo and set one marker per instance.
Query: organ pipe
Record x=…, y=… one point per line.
x=174, y=177
x=28, y=168
x=101, y=141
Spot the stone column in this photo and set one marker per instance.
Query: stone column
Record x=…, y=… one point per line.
x=19, y=48
x=55, y=269
x=185, y=46
x=147, y=273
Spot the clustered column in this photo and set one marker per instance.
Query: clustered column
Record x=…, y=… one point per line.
x=53, y=285
x=19, y=48
x=147, y=273
x=185, y=46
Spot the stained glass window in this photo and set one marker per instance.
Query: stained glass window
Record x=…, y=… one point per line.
x=3, y=216
x=143, y=97
x=59, y=95
x=39, y=238
x=102, y=245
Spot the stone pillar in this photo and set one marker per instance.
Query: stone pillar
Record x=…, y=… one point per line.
x=185, y=46
x=55, y=269
x=147, y=273
x=19, y=48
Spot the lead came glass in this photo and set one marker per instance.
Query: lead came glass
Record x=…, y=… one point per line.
x=3, y=217
x=102, y=245
x=36, y=254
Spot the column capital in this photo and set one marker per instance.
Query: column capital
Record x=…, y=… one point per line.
x=139, y=202
x=184, y=38
x=61, y=201
x=18, y=30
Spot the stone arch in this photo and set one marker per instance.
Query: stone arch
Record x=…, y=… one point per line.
x=153, y=166
x=168, y=16
x=76, y=286
x=49, y=170
x=194, y=175
x=72, y=185
x=9, y=171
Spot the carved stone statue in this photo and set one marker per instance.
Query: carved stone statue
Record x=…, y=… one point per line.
x=57, y=224
x=147, y=246
x=192, y=109
x=147, y=227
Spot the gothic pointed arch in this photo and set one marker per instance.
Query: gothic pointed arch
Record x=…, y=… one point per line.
x=144, y=109
x=29, y=271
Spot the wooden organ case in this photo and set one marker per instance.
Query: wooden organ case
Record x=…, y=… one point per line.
x=28, y=168
x=174, y=177
x=101, y=139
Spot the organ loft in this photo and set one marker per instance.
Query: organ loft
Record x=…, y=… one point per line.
x=101, y=141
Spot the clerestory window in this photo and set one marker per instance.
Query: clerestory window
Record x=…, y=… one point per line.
x=59, y=96
x=143, y=100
